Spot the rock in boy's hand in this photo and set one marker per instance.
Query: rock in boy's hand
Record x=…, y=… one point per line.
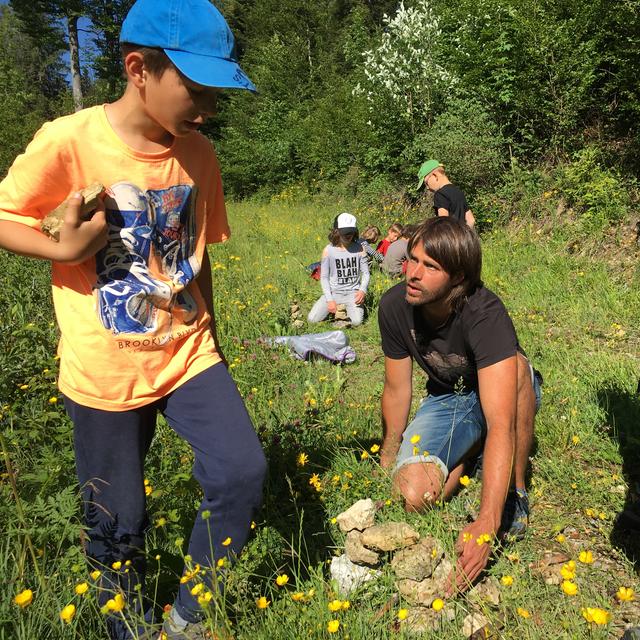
x=81, y=238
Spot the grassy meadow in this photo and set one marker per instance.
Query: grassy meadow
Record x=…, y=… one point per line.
x=575, y=301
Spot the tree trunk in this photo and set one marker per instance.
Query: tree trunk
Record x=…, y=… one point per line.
x=74, y=61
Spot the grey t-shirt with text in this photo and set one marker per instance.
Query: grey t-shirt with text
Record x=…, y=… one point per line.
x=343, y=271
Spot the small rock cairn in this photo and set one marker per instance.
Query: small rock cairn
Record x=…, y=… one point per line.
x=420, y=565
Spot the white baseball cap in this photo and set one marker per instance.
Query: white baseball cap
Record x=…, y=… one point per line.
x=345, y=223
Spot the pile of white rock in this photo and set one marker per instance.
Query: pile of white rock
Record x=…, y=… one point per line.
x=420, y=565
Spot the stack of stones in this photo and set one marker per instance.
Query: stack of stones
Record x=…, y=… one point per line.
x=420, y=565
x=296, y=315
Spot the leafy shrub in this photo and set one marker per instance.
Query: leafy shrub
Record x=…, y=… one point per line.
x=596, y=193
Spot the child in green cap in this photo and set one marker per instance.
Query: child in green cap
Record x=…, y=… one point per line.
x=448, y=200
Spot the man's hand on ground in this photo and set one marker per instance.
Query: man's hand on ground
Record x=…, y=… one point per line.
x=473, y=549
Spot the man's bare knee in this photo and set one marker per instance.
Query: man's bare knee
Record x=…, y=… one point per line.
x=420, y=484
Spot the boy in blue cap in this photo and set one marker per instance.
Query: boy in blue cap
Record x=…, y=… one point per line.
x=133, y=299
x=448, y=200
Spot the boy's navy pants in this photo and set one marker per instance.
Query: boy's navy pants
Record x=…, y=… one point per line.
x=110, y=448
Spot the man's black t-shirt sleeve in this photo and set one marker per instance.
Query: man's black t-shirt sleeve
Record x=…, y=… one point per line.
x=390, y=322
x=490, y=334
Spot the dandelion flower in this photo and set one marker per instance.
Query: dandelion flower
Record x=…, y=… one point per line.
x=464, y=481
x=333, y=626
x=507, y=581
x=364, y=455
x=226, y=542
x=67, y=614
x=402, y=614
x=302, y=459
x=148, y=490
x=596, y=615
x=625, y=594
x=374, y=448
x=437, y=604
x=560, y=538
x=116, y=565
x=95, y=574
x=282, y=580
x=335, y=605
x=415, y=439
x=523, y=613
x=568, y=571
x=24, y=598
x=575, y=440
x=586, y=557
x=345, y=605
x=297, y=596
x=262, y=602
x=570, y=588
x=81, y=588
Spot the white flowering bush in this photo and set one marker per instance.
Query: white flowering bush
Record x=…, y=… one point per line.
x=403, y=76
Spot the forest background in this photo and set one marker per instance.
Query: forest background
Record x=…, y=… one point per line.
x=533, y=108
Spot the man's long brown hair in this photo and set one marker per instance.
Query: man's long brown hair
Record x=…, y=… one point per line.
x=456, y=248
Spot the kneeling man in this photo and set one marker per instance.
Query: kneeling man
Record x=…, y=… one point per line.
x=482, y=391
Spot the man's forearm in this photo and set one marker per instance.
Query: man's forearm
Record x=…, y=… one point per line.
x=395, y=412
x=496, y=474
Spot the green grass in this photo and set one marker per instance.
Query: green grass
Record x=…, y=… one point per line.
x=576, y=315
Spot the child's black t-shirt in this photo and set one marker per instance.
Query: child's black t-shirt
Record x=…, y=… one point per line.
x=478, y=335
x=452, y=199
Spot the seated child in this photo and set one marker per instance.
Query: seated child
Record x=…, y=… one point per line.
x=394, y=232
x=367, y=239
x=394, y=262
x=344, y=273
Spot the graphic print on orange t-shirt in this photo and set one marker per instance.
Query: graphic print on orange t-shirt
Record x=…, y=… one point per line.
x=148, y=261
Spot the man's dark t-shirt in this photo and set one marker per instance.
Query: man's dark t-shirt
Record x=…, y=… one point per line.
x=478, y=335
x=452, y=199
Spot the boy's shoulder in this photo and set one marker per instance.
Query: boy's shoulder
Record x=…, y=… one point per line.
x=70, y=124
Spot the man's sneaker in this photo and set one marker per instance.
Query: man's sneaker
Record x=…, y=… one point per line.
x=515, y=516
x=192, y=631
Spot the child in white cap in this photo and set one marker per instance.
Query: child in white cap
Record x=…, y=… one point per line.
x=344, y=273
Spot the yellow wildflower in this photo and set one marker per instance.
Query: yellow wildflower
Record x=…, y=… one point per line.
x=333, y=626
x=364, y=455
x=586, y=557
x=523, y=613
x=197, y=589
x=297, y=596
x=302, y=459
x=575, y=440
x=53, y=400
x=24, y=598
x=81, y=588
x=464, y=481
x=226, y=542
x=205, y=598
x=437, y=604
x=262, y=602
x=596, y=615
x=335, y=605
x=374, y=448
x=561, y=538
x=95, y=574
x=282, y=580
x=625, y=594
x=483, y=538
x=116, y=603
x=67, y=614
x=570, y=588
x=467, y=537
x=345, y=605
x=402, y=614
x=116, y=565
x=507, y=581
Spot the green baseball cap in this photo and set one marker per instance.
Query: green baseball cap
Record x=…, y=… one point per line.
x=425, y=169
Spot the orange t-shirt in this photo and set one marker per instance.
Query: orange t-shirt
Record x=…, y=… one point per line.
x=133, y=322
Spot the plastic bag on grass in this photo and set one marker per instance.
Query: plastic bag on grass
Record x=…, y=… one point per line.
x=332, y=345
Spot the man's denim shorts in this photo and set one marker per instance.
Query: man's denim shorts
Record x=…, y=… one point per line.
x=445, y=428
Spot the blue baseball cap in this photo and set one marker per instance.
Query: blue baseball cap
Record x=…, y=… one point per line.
x=194, y=35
